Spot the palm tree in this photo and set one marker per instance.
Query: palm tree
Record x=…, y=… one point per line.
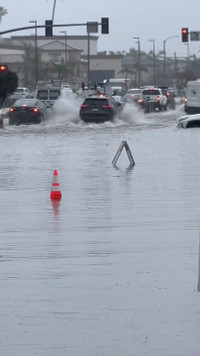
x=3, y=12
x=127, y=70
x=62, y=69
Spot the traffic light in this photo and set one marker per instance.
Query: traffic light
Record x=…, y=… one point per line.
x=3, y=71
x=48, y=28
x=184, y=33
x=105, y=25
x=3, y=68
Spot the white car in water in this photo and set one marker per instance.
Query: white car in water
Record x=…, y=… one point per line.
x=21, y=93
x=189, y=121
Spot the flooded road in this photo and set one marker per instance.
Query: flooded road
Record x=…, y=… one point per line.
x=113, y=269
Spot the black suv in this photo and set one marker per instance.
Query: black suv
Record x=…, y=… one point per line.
x=98, y=109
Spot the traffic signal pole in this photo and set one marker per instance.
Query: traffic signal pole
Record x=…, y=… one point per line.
x=58, y=25
x=41, y=26
x=48, y=26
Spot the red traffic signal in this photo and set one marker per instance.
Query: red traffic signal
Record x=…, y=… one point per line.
x=3, y=68
x=184, y=33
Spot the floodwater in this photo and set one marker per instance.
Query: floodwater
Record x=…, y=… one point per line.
x=112, y=269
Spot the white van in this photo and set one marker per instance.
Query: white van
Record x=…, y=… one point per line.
x=118, y=85
x=192, y=97
x=48, y=95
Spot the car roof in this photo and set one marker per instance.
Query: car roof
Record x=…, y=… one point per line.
x=132, y=90
x=26, y=100
x=51, y=88
x=100, y=97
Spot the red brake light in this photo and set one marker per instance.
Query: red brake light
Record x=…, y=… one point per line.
x=35, y=109
x=107, y=106
x=185, y=100
x=3, y=68
x=158, y=98
x=12, y=109
x=83, y=106
x=139, y=100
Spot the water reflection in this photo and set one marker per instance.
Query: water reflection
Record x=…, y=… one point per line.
x=56, y=206
x=128, y=169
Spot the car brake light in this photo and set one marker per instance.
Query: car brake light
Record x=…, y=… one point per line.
x=185, y=100
x=83, y=106
x=158, y=98
x=12, y=109
x=140, y=101
x=107, y=106
x=35, y=110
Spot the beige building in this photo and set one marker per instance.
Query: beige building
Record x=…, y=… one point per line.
x=18, y=52
x=56, y=49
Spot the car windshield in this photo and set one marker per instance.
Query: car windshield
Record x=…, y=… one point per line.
x=19, y=103
x=151, y=92
x=96, y=102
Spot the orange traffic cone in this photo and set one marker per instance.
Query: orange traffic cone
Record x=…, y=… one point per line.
x=55, y=188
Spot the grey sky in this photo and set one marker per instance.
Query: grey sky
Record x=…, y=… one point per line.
x=153, y=19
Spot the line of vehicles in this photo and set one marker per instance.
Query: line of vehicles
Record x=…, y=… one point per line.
x=33, y=108
x=101, y=107
x=103, y=103
x=99, y=104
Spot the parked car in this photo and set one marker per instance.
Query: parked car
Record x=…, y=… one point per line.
x=189, y=121
x=21, y=93
x=27, y=111
x=98, y=109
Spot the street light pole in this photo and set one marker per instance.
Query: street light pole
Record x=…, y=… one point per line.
x=53, y=11
x=88, y=55
x=164, y=55
x=36, y=52
x=154, y=62
x=139, y=59
x=66, y=59
x=188, y=50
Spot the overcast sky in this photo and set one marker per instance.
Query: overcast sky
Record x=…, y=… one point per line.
x=155, y=19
